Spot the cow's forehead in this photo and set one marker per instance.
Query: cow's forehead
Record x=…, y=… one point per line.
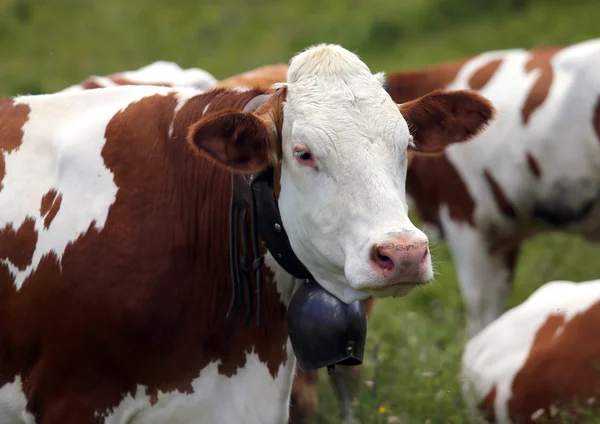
x=331, y=89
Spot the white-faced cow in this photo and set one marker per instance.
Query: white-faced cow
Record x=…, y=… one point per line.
x=535, y=168
x=160, y=73
x=540, y=360
x=115, y=280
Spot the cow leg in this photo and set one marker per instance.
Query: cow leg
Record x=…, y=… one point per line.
x=304, y=401
x=484, y=278
x=346, y=381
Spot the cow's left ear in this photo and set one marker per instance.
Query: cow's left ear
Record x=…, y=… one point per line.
x=243, y=142
x=444, y=117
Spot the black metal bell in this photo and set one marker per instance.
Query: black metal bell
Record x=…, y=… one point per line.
x=325, y=331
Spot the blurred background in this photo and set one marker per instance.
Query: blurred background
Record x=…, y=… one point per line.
x=413, y=353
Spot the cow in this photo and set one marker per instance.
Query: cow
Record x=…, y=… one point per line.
x=539, y=360
x=263, y=77
x=160, y=73
x=535, y=168
x=115, y=241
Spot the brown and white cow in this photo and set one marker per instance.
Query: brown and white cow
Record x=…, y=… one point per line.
x=160, y=73
x=535, y=168
x=114, y=221
x=540, y=359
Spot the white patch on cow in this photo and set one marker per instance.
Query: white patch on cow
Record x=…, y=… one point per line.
x=182, y=97
x=482, y=276
x=62, y=151
x=286, y=284
x=249, y=396
x=162, y=71
x=559, y=136
x=493, y=358
x=13, y=403
x=339, y=110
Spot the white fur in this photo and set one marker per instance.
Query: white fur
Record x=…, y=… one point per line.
x=251, y=395
x=333, y=217
x=61, y=150
x=559, y=135
x=160, y=72
x=494, y=357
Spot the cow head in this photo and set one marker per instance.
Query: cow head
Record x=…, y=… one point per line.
x=341, y=145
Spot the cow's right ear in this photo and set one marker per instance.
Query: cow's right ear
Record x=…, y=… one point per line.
x=239, y=141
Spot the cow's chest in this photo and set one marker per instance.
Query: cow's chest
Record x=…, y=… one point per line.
x=252, y=395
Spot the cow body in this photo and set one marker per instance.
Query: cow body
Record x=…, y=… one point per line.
x=160, y=73
x=538, y=358
x=88, y=274
x=114, y=249
x=535, y=168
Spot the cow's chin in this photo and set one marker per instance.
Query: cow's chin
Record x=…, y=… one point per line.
x=396, y=290
x=343, y=292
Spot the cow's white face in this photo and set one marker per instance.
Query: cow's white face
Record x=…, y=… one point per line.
x=344, y=148
x=343, y=157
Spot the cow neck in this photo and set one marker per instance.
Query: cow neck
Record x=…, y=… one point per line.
x=257, y=193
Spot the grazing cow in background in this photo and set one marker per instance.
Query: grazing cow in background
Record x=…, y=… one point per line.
x=538, y=357
x=114, y=276
x=159, y=73
x=535, y=168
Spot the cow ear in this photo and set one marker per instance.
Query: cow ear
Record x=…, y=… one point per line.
x=243, y=142
x=239, y=141
x=444, y=117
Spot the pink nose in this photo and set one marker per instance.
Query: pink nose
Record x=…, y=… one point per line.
x=400, y=260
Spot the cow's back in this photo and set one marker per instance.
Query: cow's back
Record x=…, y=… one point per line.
x=511, y=374
x=545, y=101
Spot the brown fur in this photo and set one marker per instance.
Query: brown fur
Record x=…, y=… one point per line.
x=263, y=78
x=459, y=115
x=486, y=406
x=50, y=206
x=503, y=203
x=121, y=80
x=534, y=166
x=484, y=74
x=144, y=300
x=540, y=61
x=561, y=366
x=12, y=119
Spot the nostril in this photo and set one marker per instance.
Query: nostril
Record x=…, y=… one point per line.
x=384, y=259
x=380, y=259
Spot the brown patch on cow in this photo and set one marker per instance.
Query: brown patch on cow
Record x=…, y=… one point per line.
x=502, y=201
x=262, y=78
x=412, y=84
x=304, y=400
x=12, y=119
x=544, y=379
x=540, y=61
x=534, y=166
x=482, y=76
x=432, y=181
x=486, y=406
x=90, y=84
x=18, y=246
x=144, y=300
x=121, y=80
x=50, y=206
x=597, y=118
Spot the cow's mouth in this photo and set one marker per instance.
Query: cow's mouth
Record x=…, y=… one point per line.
x=323, y=330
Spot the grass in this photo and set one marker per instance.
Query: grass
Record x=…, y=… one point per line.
x=415, y=343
